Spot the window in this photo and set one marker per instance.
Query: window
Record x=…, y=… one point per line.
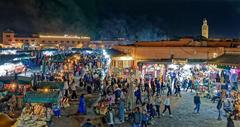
x=26, y=40
x=33, y=40
x=50, y=41
x=43, y=41
x=56, y=41
x=16, y=40
x=7, y=35
x=73, y=42
x=62, y=41
x=67, y=41
x=21, y=40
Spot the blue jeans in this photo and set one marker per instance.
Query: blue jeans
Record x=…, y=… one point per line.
x=158, y=91
x=136, y=125
x=197, y=107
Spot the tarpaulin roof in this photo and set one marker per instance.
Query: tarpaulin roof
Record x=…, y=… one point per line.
x=20, y=79
x=169, y=61
x=227, y=59
x=50, y=85
x=114, y=52
x=42, y=97
x=58, y=58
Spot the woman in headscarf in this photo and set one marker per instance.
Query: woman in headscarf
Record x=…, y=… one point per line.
x=82, y=105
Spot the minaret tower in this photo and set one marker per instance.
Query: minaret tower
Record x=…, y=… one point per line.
x=205, y=28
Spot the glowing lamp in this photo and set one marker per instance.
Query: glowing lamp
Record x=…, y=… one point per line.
x=46, y=90
x=13, y=86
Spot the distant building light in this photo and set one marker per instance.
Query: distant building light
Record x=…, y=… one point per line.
x=215, y=55
x=65, y=36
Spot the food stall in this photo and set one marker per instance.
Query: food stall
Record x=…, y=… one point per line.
x=17, y=86
x=36, y=113
x=237, y=105
x=50, y=85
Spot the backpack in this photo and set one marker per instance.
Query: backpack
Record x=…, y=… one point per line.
x=118, y=93
x=137, y=93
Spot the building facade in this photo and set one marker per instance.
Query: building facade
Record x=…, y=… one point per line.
x=38, y=41
x=178, y=50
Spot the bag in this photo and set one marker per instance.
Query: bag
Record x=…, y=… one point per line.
x=145, y=117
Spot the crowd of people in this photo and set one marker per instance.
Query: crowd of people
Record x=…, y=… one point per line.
x=149, y=95
x=137, y=100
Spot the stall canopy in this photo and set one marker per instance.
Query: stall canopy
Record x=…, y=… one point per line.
x=20, y=79
x=114, y=52
x=58, y=58
x=227, y=59
x=42, y=97
x=10, y=58
x=169, y=61
x=50, y=85
x=82, y=49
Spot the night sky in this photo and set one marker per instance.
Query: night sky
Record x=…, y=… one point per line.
x=131, y=19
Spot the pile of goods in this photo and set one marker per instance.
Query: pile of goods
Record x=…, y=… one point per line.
x=35, y=116
x=237, y=105
x=101, y=108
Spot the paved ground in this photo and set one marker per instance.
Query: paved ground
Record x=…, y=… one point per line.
x=183, y=114
x=182, y=110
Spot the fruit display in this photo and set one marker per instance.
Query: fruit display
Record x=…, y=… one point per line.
x=34, y=116
x=237, y=105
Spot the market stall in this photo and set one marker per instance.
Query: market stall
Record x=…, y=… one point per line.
x=38, y=110
x=16, y=84
x=51, y=86
x=237, y=105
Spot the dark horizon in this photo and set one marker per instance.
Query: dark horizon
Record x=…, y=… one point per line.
x=131, y=19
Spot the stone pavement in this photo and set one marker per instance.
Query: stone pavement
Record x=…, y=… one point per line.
x=183, y=115
x=182, y=110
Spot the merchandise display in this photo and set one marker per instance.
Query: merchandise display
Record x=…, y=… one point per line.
x=237, y=105
x=34, y=116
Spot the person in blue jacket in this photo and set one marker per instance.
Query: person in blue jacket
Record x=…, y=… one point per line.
x=197, y=103
x=138, y=95
x=82, y=105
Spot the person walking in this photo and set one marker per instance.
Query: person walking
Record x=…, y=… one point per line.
x=158, y=86
x=189, y=84
x=157, y=104
x=153, y=87
x=197, y=103
x=121, y=110
x=219, y=107
x=110, y=118
x=169, y=92
x=138, y=96
x=137, y=118
x=167, y=104
x=74, y=90
x=230, y=122
x=66, y=87
x=82, y=109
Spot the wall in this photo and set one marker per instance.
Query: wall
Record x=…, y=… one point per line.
x=158, y=53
